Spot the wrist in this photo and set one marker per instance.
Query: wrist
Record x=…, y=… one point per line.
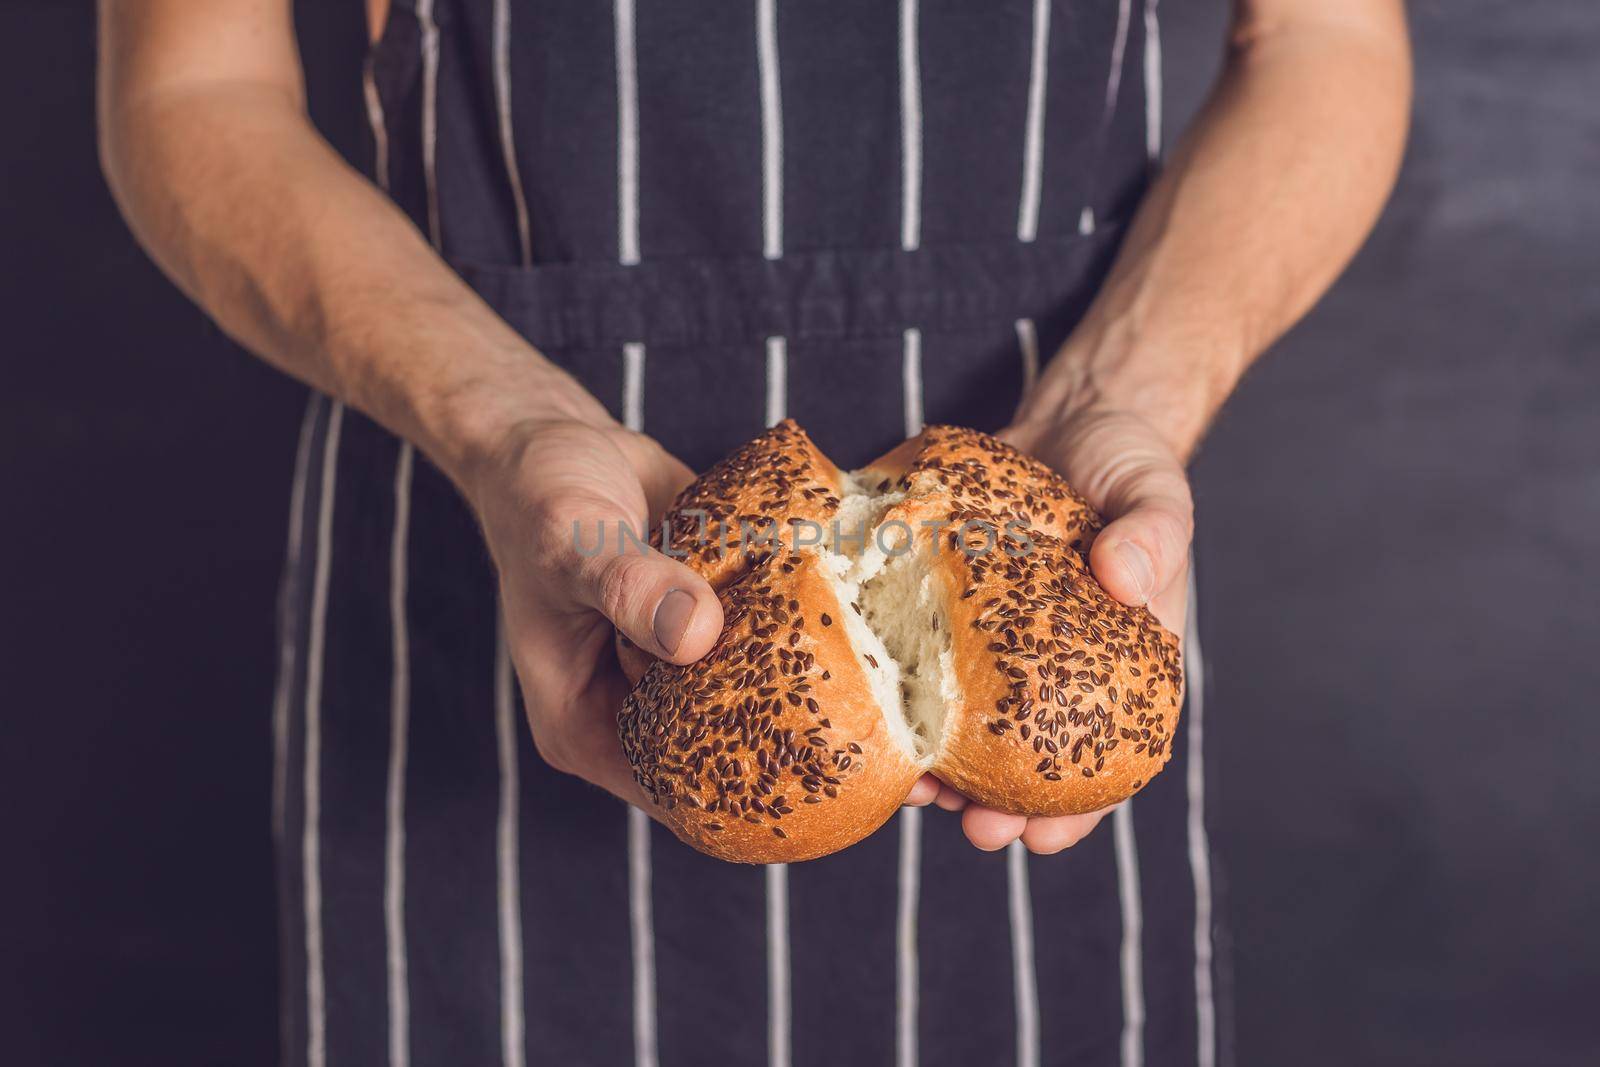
x=478, y=428
x=1172, y=382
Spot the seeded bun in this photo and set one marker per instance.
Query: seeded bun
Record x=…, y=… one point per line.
x=768, y=484
x=1069, y=697
x=948, y=622
x=772, y=748
x=762, y=487
x=985, y=476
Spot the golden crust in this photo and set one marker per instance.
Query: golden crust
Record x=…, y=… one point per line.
x=777, y=478
x=981, y=473
x=1069, y=698
x=772, y=748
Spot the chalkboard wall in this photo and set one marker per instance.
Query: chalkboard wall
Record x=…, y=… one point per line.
x=1399, y=591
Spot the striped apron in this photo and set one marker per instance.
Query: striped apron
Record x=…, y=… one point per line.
x=714, y=215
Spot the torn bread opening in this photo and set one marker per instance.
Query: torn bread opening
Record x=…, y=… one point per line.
x=894, y=614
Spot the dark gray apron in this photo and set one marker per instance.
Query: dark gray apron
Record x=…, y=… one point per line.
x=714, y=214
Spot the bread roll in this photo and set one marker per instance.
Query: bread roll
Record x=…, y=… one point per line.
x=947, y=622
x=983, y=473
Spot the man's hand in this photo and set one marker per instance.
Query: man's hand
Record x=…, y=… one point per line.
x=553, y=504
x=208, y=149
x=1129, y=472
x=1256, y=211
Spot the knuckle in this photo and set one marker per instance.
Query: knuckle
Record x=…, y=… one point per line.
x=1052, y=846
x=562, y=525
x=1175, y=529
x=621, y=584
x=1162, y=487
x=1163, y=525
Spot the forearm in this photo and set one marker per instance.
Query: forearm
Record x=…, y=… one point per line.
x=307, y=264
x=1257, y=211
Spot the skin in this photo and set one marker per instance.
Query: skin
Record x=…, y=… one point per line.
x=207, y=147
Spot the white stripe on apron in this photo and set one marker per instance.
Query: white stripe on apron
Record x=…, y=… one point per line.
x=906, y=976
x=311, y=835
x=627, y=136
x=394, y=845
x=911, y=380
x=641, y=922
x=779, y=1010
x=1033, y=141
x=1028, y=346
x=1132, y=935
x=644, y=939
x=502, y=104
x=771, y=129
x=1025, y=979
x=1152, y=81
x=778, y=1022
x=396, y=968
x=512, y=1027
x=777, y=875
x=375, y=119
x=910, y=874
x=777, y=380
x=1199, y=845
x=288, y=655
x=430, y=115
x=910, y=131
x=906, y=937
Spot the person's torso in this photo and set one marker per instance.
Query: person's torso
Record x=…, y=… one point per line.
x=865, y=216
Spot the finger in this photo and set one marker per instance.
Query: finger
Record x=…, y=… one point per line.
x=1145, y=548
x=584, y=740
x=661, y=606
x=1049, y=836
x=923, y=792
x=662, y=475
x=1171, y=605
x=595, y=760
x=991, y=830
x=662, y=482
x=949, y=800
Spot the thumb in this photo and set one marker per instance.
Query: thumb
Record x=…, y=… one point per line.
x=660, y=605
x=1146, y=545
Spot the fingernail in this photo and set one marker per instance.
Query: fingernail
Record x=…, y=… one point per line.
x=672, y=619
x=1139, y=567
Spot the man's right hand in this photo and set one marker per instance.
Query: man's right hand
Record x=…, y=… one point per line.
x=554, y=492
x=208, y=149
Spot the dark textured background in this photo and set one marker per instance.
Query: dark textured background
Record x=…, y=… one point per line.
x=1398, y=517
